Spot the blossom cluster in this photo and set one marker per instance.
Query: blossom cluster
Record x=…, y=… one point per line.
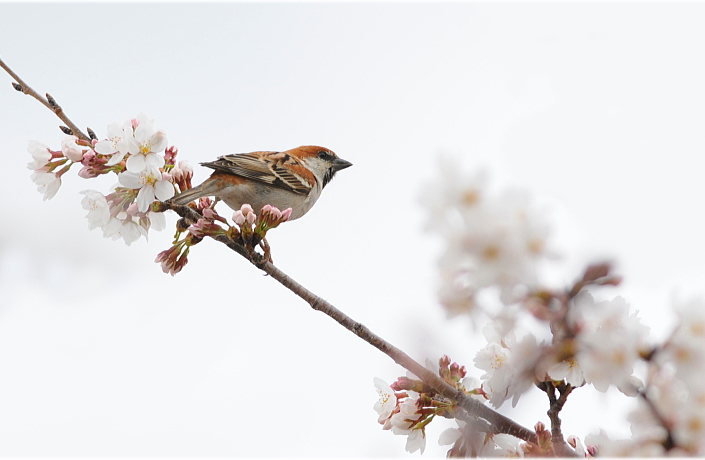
x=492, y=240
x=497, y=243
x=407, y=407
x=145, y=168
x=670, y=417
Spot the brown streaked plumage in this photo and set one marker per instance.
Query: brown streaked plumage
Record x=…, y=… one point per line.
x=291, y=179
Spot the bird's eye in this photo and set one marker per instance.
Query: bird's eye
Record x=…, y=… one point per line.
x=323, y=155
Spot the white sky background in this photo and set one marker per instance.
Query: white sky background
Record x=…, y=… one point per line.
x=598, y=110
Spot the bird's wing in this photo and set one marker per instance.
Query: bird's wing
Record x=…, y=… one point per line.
x=278, y=169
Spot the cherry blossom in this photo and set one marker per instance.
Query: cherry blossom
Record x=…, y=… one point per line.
x=117, y=143
x=145, y=146
x=151, y=186
x=72, y=150
x=609, y=340
x=127, y=229
x=41, y=155
x=492, y=240
x=387, y=400
x=98, y=208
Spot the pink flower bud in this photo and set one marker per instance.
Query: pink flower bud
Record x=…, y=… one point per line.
x=286, y=214
x=71, y=150
x=238, y=217
x=170, y=154
x=209, y=213
x=185, y=167
x=204, y=202
x=276, y=214
x=87, y=173
x=251, y=218
x=133, y=209
x=88, y=157
x=246, y=209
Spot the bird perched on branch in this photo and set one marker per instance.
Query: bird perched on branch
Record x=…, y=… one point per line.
x=291, y=179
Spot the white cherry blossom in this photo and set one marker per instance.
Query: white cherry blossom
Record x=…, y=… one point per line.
x=98, y=209
x=151, y=185
x=387, y=400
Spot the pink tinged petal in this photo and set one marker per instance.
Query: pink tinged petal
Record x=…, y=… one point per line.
x=143, y=118
x=238, y=217
x=286, y=214
x=74, y=155
x=132, y=209
x=40, y=154
x=105, y=147
x=136, y=163
x=115, y=159
x=163, y=190
x=145, y=197
x=186, y=167
x=158, y=141
x=144, y=132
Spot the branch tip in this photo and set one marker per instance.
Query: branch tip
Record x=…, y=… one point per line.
x=91, y=134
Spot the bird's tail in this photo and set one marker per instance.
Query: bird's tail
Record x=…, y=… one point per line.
x=188, y=196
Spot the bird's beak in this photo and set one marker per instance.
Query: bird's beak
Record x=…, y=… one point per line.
x=339, y=164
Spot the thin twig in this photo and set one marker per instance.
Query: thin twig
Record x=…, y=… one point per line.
x=669, y=443
x=49, y=101
x=556, y=404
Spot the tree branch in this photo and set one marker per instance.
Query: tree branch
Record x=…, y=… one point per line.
x=499, y=423
x=49, y=102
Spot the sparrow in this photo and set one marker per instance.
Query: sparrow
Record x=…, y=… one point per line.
x=291, y=179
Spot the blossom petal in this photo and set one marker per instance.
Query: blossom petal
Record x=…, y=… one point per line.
x=115, y=159
x=144, y=132
x=105, y=147
x=157, y=221
x=163, y=190
x=131, y=180
x=136, y=163
x=158, y=141
x=50, y=190
x=154, y=160
x=43, y=178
